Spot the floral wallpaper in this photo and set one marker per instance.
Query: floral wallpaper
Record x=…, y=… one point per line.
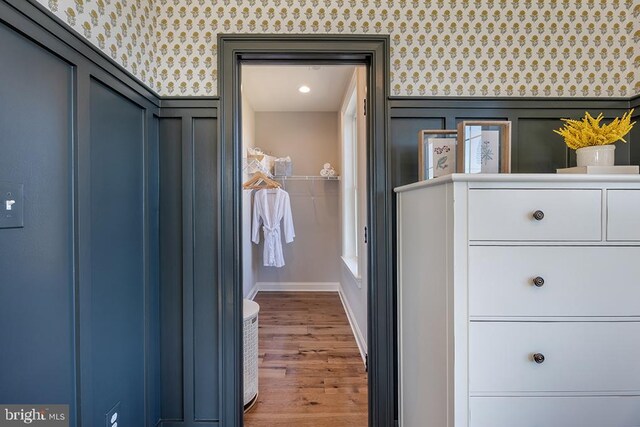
x=556, y=48
x=123, y=29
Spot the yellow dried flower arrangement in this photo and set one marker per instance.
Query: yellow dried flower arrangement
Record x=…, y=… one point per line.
x=589, y=132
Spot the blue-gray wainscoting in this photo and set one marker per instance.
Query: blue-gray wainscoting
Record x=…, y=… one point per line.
x=190, y=353
x=79, y=283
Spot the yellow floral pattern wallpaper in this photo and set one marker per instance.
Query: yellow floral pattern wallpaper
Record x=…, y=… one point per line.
x=555, y=48
x=122, y=29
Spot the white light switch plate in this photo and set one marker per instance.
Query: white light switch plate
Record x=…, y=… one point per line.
x=11, y=205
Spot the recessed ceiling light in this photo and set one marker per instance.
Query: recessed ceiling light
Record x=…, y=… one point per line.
x=304, y=89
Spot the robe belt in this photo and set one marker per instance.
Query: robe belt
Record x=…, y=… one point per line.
x=271, y=236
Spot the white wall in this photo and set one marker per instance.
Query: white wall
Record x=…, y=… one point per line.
x=354, y=291
x=310, y=138
x=249, y=258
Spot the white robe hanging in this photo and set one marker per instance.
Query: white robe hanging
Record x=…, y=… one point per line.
x=271, y=206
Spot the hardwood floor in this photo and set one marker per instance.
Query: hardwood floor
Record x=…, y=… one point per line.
x=310, y=370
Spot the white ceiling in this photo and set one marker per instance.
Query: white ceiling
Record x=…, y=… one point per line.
x=275, y=87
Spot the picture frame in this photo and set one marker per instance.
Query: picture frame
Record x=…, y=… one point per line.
x=484, y=146
x=436, y=153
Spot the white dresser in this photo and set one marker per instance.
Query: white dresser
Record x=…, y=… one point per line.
x=519, y=301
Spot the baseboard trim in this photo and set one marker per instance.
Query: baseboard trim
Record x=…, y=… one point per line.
x=298, y=286
x=357, y=333
x=253, y=292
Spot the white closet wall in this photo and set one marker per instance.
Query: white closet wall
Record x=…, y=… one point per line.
x=310, y=138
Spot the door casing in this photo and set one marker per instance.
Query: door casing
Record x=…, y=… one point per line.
x=372, y=51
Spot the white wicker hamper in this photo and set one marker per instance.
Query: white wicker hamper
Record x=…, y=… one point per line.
x=250, y=311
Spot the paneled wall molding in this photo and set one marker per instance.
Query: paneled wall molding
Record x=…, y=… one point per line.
x=635, y=102
x=110, y=123
x=211, y=104
x=400, y=104
x=189, y=318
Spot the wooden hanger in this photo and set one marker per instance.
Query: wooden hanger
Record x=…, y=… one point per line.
x=260, y=180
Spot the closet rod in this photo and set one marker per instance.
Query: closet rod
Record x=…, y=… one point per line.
x=308, y=178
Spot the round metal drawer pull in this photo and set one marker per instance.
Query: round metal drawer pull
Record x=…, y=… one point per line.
x=538, y=215
x=538, y=358
x=538, y=281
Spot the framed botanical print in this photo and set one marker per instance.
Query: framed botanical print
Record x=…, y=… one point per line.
x=484, y=146
x=436, y=153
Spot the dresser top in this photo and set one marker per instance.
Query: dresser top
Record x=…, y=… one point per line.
x=522, y=178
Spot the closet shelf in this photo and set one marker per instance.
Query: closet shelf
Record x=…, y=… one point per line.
x=307, y=178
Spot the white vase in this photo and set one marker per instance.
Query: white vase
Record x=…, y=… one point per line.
x=598, y=155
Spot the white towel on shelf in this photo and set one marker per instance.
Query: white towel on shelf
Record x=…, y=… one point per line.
x=327, y=170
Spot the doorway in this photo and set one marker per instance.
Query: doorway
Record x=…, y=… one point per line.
x=373, y=53
x=304, y=245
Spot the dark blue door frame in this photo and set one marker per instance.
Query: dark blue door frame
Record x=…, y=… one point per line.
x=372, y=51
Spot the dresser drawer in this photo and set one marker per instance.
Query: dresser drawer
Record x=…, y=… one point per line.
x=623, y=215
x=572, y=281
x=509, y=215
x=609, y=411
x=579, y=356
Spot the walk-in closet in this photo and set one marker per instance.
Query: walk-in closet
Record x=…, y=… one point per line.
x=304, y=245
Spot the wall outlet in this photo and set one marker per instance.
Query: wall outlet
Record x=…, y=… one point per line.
x=112, y=418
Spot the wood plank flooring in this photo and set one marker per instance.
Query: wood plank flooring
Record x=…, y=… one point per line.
x=310, y=370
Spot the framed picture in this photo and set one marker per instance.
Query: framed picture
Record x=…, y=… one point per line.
x=436, y=153
x=484, y=146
